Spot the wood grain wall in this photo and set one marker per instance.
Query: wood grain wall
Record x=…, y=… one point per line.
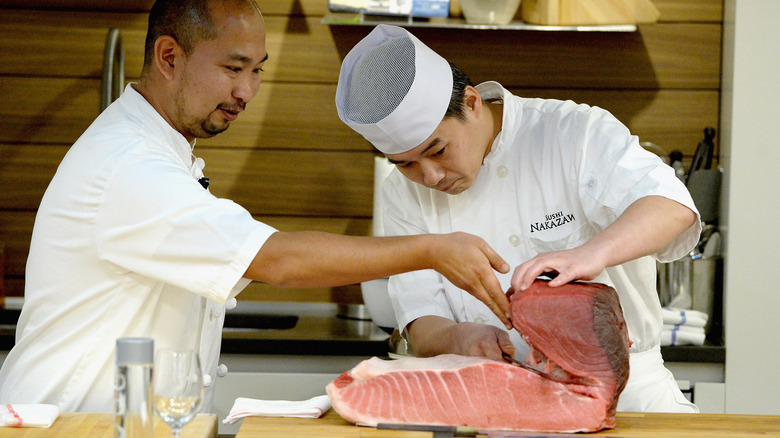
x=288, y=159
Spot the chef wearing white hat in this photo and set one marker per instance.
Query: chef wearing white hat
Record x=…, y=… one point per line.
x=553, y=186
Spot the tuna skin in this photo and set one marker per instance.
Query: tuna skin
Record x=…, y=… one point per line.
x=576, y=331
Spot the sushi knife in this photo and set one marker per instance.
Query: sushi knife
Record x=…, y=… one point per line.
x=514, y=361
x=439, y=431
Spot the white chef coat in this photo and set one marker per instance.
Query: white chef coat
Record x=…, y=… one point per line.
x=557, y=174
x=126, y=243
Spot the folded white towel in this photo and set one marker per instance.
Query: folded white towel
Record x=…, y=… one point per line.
x=687, y=317
x=682, y=337
x=28, y=415
x=247, y=407
x=683, y=328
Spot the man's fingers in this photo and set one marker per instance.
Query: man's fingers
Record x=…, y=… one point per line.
x=499, y=303
x=520, y=277
x=498, y=263
x=505, y=344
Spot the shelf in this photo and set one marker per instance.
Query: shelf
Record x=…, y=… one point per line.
x=360, y=19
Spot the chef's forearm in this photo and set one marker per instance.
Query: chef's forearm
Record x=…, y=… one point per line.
x=646, y=227
x=428, y=336
x=318, y=259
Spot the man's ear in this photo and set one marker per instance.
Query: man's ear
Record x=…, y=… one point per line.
x=167, y=52
x=472, y=99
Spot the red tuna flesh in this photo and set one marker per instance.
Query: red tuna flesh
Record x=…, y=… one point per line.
x=576, y=332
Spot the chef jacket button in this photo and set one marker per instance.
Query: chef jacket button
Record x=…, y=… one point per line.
x=514, y=240
x=479, y=320
x=207, y=380
x=502, y=171
x=222, y=370
x=200, y=163
x=216, y=313
x=231, y=303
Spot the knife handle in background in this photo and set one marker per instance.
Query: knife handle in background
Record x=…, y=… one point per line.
x=702, y=158
x=709, y=136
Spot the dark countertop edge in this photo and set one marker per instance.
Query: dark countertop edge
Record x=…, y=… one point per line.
x=306, y=347
x=695, y=353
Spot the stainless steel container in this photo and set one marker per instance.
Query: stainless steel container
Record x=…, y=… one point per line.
x=693, y=282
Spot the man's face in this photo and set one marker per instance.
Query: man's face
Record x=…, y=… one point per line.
x=448, y=160
x=221, y=75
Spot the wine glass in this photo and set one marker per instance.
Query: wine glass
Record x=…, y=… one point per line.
x=178, y=387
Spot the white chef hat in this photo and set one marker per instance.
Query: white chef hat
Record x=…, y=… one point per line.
x=393, y=89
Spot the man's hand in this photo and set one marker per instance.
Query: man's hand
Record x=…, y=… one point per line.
x=568, y=265
x=433, y=335
x=468, y=262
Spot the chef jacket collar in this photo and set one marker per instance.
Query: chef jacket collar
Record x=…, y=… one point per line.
x=157, y=126
x=492, y=90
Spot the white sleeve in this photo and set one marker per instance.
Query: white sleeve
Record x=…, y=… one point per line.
x=182, y=235
x=418, y=293
x=616, y=171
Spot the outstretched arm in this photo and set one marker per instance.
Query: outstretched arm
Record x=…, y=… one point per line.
x=647, y=226
x=316, y=259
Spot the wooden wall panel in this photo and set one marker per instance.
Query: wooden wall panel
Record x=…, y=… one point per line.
x=291, y=116
x=302, y=116
x=282, y=115
x=15, y=232
x=303, y=50
x=690, y=10
x=657, y=56
x=269, y=7
x=288, y=158
x=671, y=10
x=47, y=110
x=300, y=48
x=303, y=183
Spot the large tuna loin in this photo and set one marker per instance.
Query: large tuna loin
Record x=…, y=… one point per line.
x=576, y=332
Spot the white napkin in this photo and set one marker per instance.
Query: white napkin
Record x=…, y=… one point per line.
x=28, y=415
x=687, y=317
x=247, y=407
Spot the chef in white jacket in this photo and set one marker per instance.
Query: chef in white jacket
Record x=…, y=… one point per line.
x=552, y=185
x=129, y=242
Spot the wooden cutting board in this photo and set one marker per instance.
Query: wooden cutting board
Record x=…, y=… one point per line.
x=588, y=12
x=81, y=425
x=636, y=425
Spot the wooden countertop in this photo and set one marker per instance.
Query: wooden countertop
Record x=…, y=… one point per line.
x=79, y=425
x=634, y=425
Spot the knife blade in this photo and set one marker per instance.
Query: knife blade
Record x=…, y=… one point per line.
x=524, y=365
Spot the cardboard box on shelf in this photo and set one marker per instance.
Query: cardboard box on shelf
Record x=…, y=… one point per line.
x=588, y=12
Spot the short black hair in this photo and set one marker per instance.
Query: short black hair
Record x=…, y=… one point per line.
x=459, y=82
x=187, y=21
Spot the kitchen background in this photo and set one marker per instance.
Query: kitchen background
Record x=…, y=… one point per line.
x=293, y=164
